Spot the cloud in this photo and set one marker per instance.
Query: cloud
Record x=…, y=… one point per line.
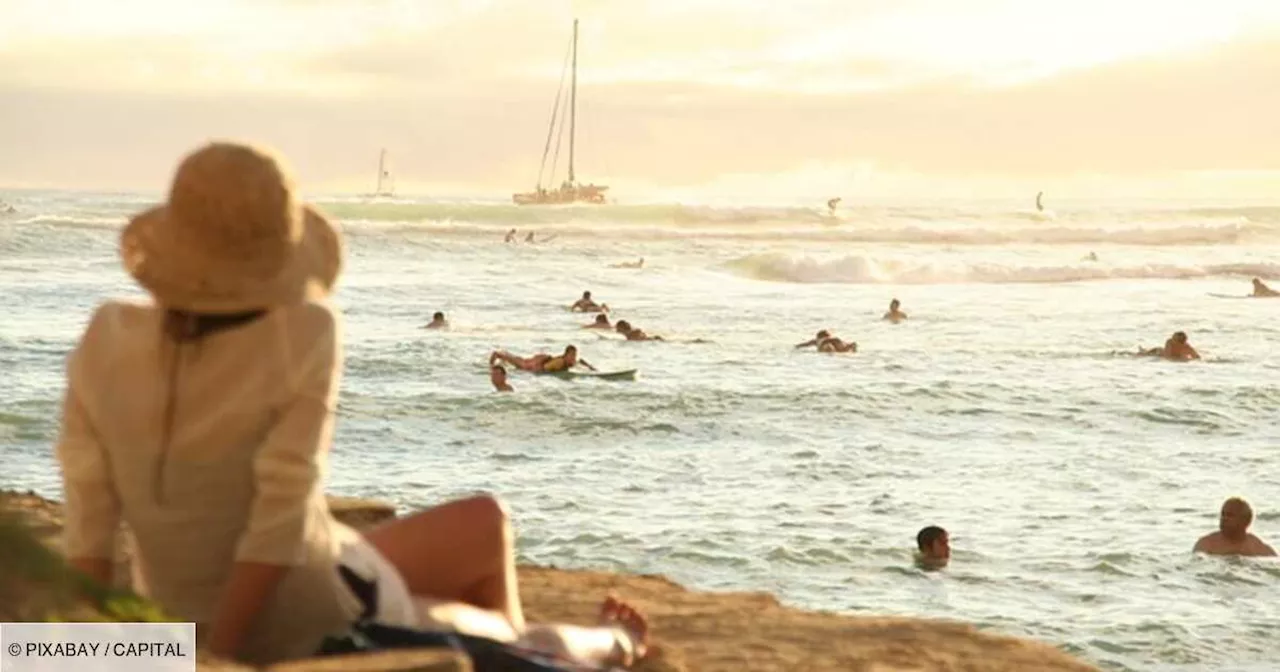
x=469, y=105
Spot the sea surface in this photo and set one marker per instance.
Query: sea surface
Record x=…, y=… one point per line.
x=1073, y=477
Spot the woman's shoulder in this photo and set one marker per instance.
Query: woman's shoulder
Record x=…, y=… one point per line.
x=115, y=317
x=310, y=316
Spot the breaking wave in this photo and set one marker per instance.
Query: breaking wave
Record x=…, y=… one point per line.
x=871, y=225
x=856, y=269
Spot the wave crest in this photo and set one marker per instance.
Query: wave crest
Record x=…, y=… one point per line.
x=859, y=270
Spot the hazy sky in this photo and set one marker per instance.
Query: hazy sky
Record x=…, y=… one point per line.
x=843, y=96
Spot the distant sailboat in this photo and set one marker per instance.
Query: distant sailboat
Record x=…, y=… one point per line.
x=386, y=185
x=569, y=191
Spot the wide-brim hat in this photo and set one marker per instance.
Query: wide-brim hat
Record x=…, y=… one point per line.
x=232, y=236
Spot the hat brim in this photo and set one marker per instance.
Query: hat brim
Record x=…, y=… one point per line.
x=190, y=279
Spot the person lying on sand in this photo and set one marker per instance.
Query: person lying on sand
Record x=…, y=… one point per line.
x=1176, y=349
x=602, y=322
x=437, y=322
x=933, y=548
x=895, y=315
x=498, y=376
x=1233, y=537
x=1261, y=290
x=629, y=264
x=541, y=362
x=587, y=305
x=818, y=338
x=624, y=327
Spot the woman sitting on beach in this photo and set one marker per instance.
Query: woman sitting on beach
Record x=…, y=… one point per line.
x=203, y=420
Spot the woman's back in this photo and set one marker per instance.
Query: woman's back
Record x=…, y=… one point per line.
x=213, y=448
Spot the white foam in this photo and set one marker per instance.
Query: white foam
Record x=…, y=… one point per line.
x=858, y=269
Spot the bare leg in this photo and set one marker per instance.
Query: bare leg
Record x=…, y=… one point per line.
x=621, y=638
x=525, y=364
x=463, y=551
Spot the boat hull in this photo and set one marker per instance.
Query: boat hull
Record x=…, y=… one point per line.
x=590, y=193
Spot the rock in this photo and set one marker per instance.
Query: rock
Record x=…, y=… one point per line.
x=693, y=630
x=360, y=513
x=401, y=660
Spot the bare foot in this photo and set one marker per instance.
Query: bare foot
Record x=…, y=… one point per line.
x=632, y=628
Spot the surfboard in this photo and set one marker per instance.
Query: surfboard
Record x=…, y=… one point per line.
x=1232, y=296
x=626, y=374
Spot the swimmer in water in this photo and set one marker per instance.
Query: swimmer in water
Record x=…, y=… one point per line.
x=633, y=334
x=437, y=322
x=1233, y=537
x=498, y=376
x=1092, y=256
x=834, y=344
x=895, y=315
x=1176, y=349
x=818, y=338
x=511, y=237
x=541, y=362
x=933, y=548
x=629, y=264
x=1261, y=290
x=588, y=305
x=602, y=322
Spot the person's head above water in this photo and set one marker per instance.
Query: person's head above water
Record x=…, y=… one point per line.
x=437, y=317
x=586, y=296
x=602, y=319
x=570, y=354
x=1179, y=337
x=622, y=326
x=894, y=304
x=934, y=545
x=1235, y=518
x=822, y=334
x=498, y=376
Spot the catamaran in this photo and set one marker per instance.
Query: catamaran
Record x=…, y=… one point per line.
x=569, y=190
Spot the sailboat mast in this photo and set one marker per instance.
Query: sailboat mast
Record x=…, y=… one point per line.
x=382, y=160
x=573, y=99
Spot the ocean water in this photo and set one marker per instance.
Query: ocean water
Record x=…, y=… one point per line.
x=1073, y=478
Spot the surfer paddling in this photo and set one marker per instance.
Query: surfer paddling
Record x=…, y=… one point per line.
x=828, y=343
x=633, y=334
x=831, y=205
x=629, y=264
x=437, y=322
x=1176, y=349
x=895, y=314
x=511, y=237
x=541, y=362
x=498, y=376
x=1233, y=537
x=1260, y=289
x=588, y=305
x=817, y=338
x=602, y=322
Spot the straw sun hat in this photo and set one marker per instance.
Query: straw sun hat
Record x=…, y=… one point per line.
x=232, y=237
